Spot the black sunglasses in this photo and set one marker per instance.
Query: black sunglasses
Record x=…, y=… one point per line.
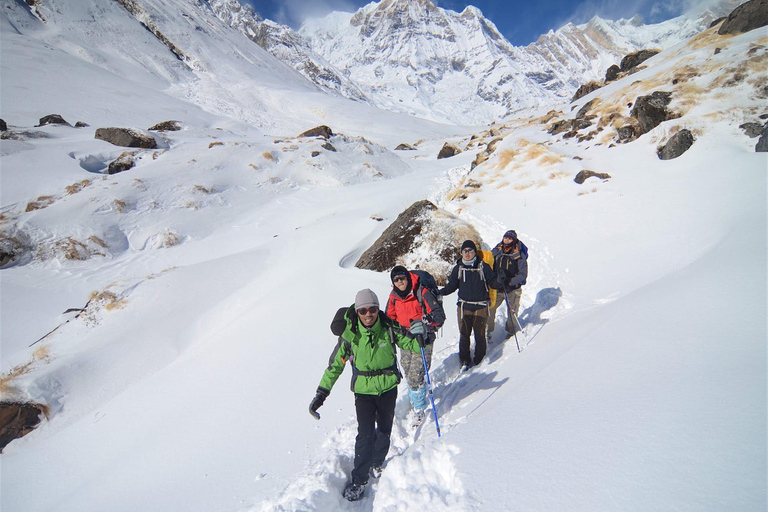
x=401, y=277
x=468, y=250
x=369, y=311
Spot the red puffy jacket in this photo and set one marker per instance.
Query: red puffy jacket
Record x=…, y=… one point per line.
x=407, y=309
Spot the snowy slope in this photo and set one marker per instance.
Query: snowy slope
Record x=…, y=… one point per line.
x=214, y=267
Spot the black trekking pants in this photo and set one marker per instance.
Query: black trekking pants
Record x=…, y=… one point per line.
x=472, y=321
x=375, y=414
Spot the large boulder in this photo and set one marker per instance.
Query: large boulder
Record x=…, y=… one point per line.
x=678, y=144
x=422, y=229
x=650, y=111
x=18, y=419
x=3, y=126
x=53, y=119
x=318, y=131
x=126, y=137
x=405, y=147
x=748, y=16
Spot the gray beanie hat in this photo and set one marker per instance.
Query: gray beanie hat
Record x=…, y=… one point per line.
x=366, y=298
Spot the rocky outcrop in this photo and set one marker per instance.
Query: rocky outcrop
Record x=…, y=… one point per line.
x=421, y=229
x=631, y=61
x=678, y=144
x=53, y=119
x=586, y=89
x=18, y=419
x=650, y=111
x=318, y=131
x=81, y=124
x=405, y=147
x=748, y=16
x=126, y=137
x=448, y=150
x=166, y=126
x=582, y=176
x=3, y=126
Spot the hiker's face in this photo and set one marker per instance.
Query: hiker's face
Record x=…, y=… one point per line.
x=401, y=282
x=508, y=240
x=368, y=315
x=467, y=254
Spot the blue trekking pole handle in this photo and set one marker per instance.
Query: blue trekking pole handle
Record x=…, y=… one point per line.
x=510, y=314
x=429, y=384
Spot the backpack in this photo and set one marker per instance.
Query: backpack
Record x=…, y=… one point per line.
x=487, y=257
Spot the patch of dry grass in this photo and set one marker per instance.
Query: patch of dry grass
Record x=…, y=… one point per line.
x=505, y=157
x=214, y=144
x=40, y=203
x=76, y=187
x=40, y=355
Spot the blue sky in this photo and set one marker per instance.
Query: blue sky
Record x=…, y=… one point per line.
x=521, y=22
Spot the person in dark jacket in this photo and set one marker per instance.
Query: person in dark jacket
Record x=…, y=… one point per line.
x=472, y=277
x=510, y=263
x=368, y=343
x=409, y=300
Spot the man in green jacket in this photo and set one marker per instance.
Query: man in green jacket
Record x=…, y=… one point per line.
x=368, y=343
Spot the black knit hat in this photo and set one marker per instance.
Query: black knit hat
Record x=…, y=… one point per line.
x=469, y=244
x=398, y=270
x=511, y=234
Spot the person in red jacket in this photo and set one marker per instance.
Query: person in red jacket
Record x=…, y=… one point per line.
x=410, y=300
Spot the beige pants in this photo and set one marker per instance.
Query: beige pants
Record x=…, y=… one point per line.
x=514, y=304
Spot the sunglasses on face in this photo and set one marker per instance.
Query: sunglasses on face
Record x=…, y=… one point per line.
x=369, y=311
x=397, y=279
x=467, y=250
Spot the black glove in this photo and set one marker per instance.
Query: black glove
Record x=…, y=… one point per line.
x=319, y=399
x=501, y=276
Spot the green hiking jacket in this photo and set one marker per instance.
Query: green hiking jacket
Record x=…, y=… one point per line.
x=371, y=354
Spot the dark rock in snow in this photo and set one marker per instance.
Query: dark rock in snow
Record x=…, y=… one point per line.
x=126, y=137
x=612, y=73
x=53, y=119
x=626, y=133
x=448, y=150
x=122, y=163
x=748, y=16
x=18, y=419
x=585, y=89
x=585, y=109
x=651, y=110
x=81, y=124
x=717, y=21
x=752, y=129
x=318, y=131
x=633, y=60
x=678, y=144
x=328, y=146
x=586, y=174
x=3, y=126
x=762, y=142
x=405, y=147
x=166, y=126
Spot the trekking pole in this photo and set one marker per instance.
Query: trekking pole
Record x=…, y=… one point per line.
x=510, y=315
x=429, y=384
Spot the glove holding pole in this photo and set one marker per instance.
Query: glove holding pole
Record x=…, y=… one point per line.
x=318, y=401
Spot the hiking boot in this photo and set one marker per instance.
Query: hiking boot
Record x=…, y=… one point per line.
x=418, y=418
x=376, y=470
x=465, y=366
x=353, y=491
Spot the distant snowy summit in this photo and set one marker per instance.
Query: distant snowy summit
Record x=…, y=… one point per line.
x=414, y=57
